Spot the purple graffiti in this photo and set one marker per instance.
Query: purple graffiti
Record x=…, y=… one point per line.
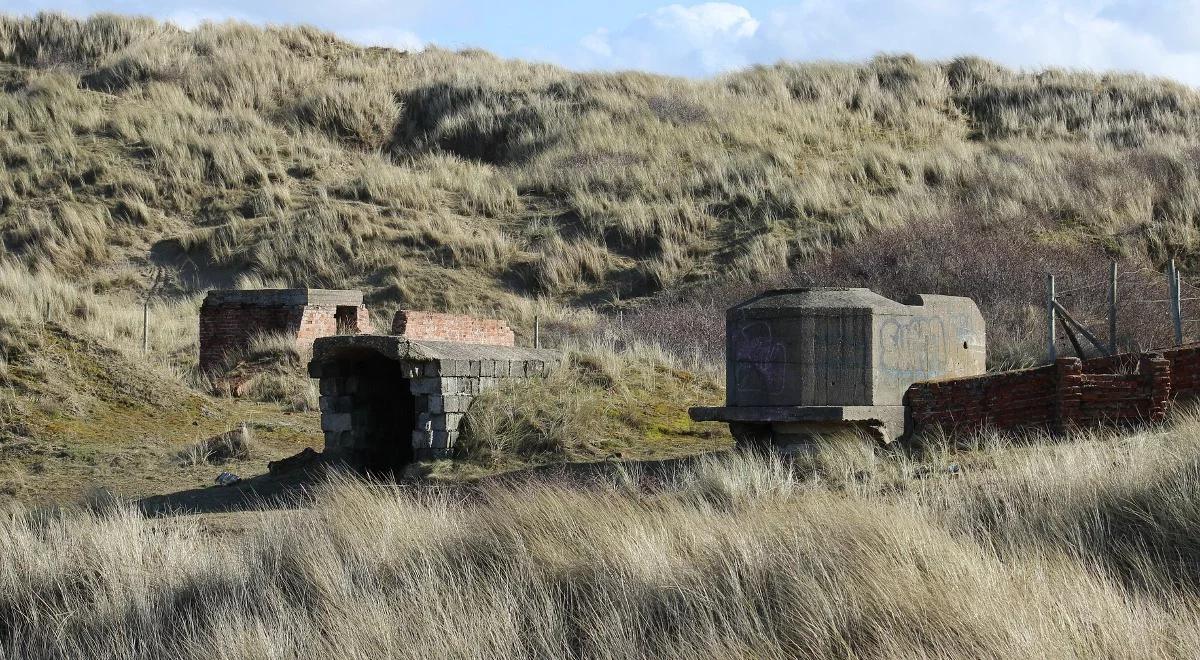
x=760, y=360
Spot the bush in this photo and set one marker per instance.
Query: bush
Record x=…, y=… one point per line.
x=1000, y=266
x=270, y=367
x=362, y=116
x=556, y=418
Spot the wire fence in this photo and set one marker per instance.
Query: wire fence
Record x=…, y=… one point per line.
x=1136, y=278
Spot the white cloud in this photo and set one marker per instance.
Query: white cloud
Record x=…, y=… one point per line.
x=1158, y=38
x=383, y=36
x=597, y=42
x=369, y=22
x=190, y=19
x=704, y=38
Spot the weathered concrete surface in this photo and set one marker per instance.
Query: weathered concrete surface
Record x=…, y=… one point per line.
x=399, y=348
x=285, y=297
x=791, y=353
x=760, y=414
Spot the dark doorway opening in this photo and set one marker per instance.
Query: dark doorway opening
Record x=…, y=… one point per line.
x=347, y=320
x=385, y=408
x=374, y=391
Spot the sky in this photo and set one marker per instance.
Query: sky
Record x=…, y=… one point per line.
x=1156, y=37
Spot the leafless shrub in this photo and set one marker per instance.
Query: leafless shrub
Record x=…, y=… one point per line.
x=1002, y=268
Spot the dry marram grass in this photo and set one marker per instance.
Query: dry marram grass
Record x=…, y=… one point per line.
x=1072, y=550
x=461, y=181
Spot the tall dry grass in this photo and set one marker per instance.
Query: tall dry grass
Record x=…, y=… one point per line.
x=609, y=397
x=460, y=181
x=1082, y=549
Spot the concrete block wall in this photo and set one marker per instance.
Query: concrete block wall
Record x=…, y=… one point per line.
x=1053, y=398
x=433, y=326
x=442, y=390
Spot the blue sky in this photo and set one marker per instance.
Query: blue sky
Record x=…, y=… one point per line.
x=1158, y=37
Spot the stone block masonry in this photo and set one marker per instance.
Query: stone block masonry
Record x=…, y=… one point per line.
x=433, y=326
x=388, y=400
x=230, y=319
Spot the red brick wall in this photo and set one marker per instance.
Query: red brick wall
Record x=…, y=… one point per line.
x=452, y=327
x=1004, y=400
x=1054, y=397
x=1095, y=398
x=362, y=321
x=1185, y=368
x=1185, y=371
x=315, y=322
x=227, y=327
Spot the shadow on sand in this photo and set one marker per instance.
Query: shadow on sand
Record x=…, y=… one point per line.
x=295, y=488
x=261, y=493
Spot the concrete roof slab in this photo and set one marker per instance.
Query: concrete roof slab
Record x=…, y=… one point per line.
x=401, y=349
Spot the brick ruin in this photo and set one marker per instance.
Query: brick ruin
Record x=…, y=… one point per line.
x=452, y=327
x=1124, y=389
x=230, y=319
x=387, y=400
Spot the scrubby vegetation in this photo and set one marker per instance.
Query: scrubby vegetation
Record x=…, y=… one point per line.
x=607, y=401
x=1083, y=549
x=237, y=155
x=460, y=181
x=626, y=211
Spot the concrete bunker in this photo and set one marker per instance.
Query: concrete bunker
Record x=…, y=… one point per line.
x=802, y=363
x=230, y=318
x=387, y=400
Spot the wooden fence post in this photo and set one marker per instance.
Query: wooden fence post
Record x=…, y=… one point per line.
x=537, y=332
x=1050, y=352
x=1173, y=283
x=160, y=276
x=1112, y=308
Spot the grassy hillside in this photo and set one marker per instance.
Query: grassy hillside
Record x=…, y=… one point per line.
x=240, y=156
x=1077, y=550
x=234, y=154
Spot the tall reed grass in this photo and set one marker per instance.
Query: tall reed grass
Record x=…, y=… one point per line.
x=1078, y=549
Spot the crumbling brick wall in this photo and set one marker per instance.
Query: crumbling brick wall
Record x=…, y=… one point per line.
x=226, y=328
x=1185, y=371
x=1053, y=398
x=230, y=319
x=1004, y=400
x=434, y=326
